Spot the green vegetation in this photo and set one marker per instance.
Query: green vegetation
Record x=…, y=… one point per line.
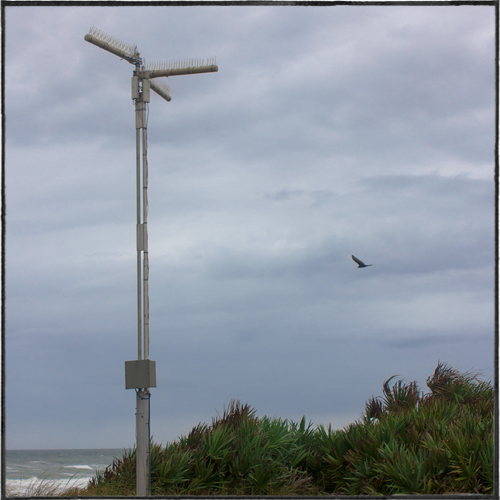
x=406, y=442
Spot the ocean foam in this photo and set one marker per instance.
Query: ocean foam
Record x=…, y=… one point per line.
x=32, y=486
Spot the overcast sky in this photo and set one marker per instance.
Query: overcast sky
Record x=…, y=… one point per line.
x=327, y=131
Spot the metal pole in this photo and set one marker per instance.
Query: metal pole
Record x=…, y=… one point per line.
x=142, y=414
x=139, y=233
x=142, y=450
x=145, y=287
x=142, y=372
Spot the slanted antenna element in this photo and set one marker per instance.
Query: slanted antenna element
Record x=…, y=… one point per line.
x=113, y=45
x=162, y=89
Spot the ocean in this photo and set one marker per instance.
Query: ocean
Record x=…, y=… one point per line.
x=25, y=469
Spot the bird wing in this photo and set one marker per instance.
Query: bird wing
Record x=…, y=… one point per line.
x=357, y=261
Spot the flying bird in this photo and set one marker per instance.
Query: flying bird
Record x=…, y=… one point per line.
x=359, y=263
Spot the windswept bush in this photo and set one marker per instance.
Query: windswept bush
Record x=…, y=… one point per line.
x=406, y=442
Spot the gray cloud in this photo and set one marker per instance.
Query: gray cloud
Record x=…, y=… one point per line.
x=328, y=131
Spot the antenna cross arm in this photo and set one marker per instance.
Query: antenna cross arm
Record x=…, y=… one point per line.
x=161, y=89
x=183, y=71
x=112, y=48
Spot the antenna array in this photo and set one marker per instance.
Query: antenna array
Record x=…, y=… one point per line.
x=162, y=89
x=123, y=49
x=184, y=63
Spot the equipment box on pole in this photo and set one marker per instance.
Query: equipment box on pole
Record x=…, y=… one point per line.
x=140, y=373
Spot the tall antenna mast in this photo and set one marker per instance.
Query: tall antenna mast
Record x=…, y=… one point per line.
x=140, y=374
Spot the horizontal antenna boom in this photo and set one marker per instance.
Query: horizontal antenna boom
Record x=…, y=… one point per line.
x=183, y=71
x=185, y=67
